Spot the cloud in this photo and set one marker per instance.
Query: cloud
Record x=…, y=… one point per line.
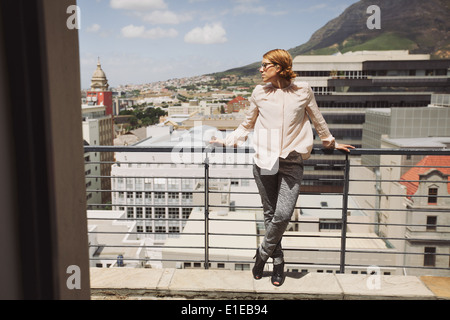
x=138, y=4
x=132, y=31
x=165, y=17
x=94, y=28
x=209, y=34
x=253, y=7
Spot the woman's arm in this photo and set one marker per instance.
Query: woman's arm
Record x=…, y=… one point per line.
x=321, y=126
x=238, y=136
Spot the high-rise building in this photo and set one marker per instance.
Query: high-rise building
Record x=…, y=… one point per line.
x=346, y=85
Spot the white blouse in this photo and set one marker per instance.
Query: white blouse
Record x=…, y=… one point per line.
x=278, y=118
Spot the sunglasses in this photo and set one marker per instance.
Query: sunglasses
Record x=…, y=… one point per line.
x=264, y=65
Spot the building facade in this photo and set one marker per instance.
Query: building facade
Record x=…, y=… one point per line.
x=99, y=94
x=346, y=85
x=401, y=123
x=98, y=130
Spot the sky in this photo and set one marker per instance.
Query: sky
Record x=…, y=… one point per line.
x=144, y=41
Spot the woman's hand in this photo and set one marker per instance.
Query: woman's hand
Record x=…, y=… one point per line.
x=344, y=147
x=217, y=142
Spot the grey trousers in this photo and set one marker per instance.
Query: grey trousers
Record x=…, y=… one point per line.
x=279, y=191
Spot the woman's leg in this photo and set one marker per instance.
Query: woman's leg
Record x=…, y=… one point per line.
x=279, y=194
x=268, y=190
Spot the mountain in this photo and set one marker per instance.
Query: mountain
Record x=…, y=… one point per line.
x=415, y=25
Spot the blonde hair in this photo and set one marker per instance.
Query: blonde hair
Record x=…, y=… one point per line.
x=283, y=59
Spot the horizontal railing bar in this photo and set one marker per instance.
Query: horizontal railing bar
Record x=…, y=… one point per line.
x=255, y=192
x=395, y=166
x=252, y=261
x=395, y=252
x=115, y=178
x=406, y=267
x=393, y=195
x=153, y=190
x=349, y=209
x=306, y=164
x=144, y=246
x=398, y=181
x=405, y=210
x=142, y=233
x=399, y=224
x=211, y=149
x=159, y=205
x=145, y=219
x=307, y=177
x=387, y=251
x=326, y=220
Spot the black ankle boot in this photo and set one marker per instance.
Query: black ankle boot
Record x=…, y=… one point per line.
x=259, y=266
x=278, y=274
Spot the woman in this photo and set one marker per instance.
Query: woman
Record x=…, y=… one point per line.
x=282, y=139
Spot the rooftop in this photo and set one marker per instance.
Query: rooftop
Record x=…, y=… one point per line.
x=360, y=56
x=424, y=166
x=417, y=142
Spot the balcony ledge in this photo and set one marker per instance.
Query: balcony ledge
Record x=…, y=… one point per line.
x=179, y=284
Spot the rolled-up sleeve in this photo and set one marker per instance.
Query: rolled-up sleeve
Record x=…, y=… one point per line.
x=319, y=122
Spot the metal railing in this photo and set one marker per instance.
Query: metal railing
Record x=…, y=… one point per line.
x=420, y=245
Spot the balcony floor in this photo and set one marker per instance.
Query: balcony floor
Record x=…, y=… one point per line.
x=179, y=284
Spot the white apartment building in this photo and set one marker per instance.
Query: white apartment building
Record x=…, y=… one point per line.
x=160, y=189
x=97, y=130
x=412, y=220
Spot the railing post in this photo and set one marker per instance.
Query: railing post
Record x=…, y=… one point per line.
x=206, y=210
x=344, y=214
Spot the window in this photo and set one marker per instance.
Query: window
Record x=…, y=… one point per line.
x=432, y=195
x=160, y=213
x=429, y=258
x=139, y=212
x=173, y=184
x=186, y=212
x=174, y=213
x=130, y=213
x=186, y=196
x=241, y=266
x=160, y=195
x=431, y=223
x=173, y=196
x=330, y=225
